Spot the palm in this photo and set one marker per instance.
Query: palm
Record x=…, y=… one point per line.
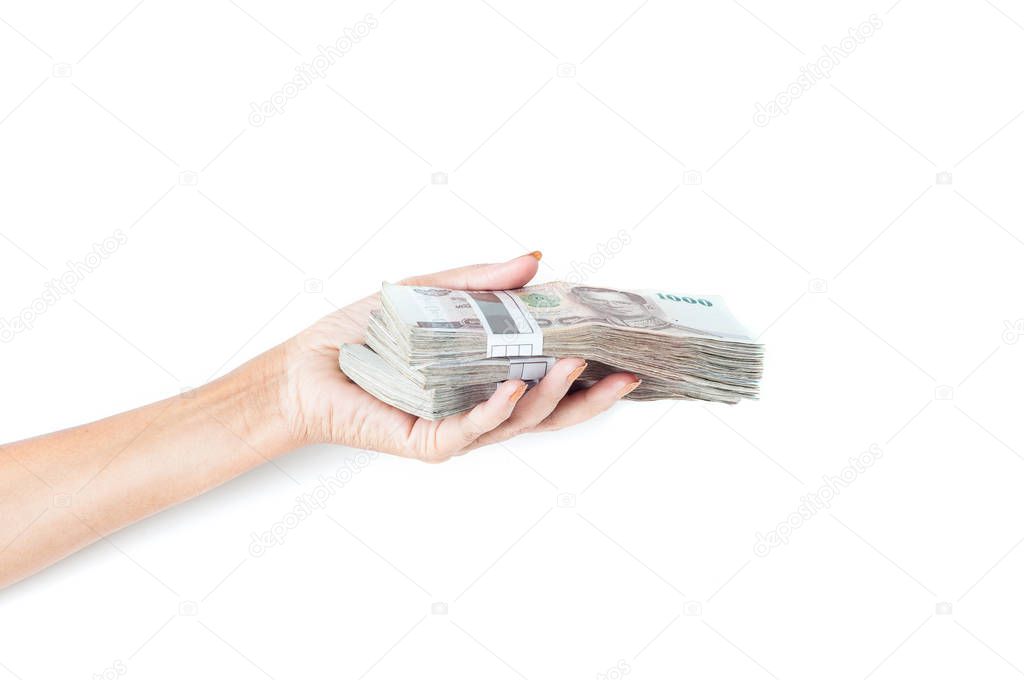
x=324, y=393
x=323, y=405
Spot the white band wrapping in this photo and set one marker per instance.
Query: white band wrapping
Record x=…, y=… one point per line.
x=511, y=329
x=529, y=368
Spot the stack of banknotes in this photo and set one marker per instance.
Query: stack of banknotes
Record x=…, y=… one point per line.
x=434, y=352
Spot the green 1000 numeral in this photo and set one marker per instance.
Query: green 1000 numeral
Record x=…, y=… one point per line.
x=689, y=300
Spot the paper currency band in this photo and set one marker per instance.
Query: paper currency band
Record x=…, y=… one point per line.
x=529, y=368
x=511, y=329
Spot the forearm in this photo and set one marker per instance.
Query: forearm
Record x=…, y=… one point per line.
x=61, y=491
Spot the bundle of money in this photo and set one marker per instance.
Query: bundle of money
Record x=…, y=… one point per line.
x=434, y=351
x=384, y=381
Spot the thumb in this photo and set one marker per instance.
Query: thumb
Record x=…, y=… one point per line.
x=515, y=273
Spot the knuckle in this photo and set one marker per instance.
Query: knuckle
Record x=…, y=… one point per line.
x=550, y=424
x=519, y=428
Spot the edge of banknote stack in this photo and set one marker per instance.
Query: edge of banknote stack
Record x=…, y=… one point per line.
x=434, y=352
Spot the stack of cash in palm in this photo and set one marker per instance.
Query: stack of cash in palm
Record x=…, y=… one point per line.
x=433, y=352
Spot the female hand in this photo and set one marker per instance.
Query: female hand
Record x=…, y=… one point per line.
x=117, y=470
x=321, y=404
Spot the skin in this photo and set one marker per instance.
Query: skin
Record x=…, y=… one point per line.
x=61, y=491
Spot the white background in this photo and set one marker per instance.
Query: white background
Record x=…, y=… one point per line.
x=872, y=285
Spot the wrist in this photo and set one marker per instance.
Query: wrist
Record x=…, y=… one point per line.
x=250, y=401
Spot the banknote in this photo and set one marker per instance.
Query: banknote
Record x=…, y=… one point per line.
x=429, y=332
x=434, y=349
x=384, y=381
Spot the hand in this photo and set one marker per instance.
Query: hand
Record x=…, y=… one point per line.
x=321, y=404
x=136, y=463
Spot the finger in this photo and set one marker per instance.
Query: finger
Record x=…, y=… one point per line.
x=539, y=402
x=587, y=403
x=515, y=273
x=442, y=439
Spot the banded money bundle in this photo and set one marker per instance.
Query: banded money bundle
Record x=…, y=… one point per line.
x=434, y=351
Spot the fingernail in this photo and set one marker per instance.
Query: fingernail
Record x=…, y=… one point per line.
x=536, y=255
x=518, y=393
x=576, y=373
x=629, y=388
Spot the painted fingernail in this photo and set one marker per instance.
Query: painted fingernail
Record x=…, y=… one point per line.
x=576, y=373
x=514, y=397
x=629, y=388
x=536, y=255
